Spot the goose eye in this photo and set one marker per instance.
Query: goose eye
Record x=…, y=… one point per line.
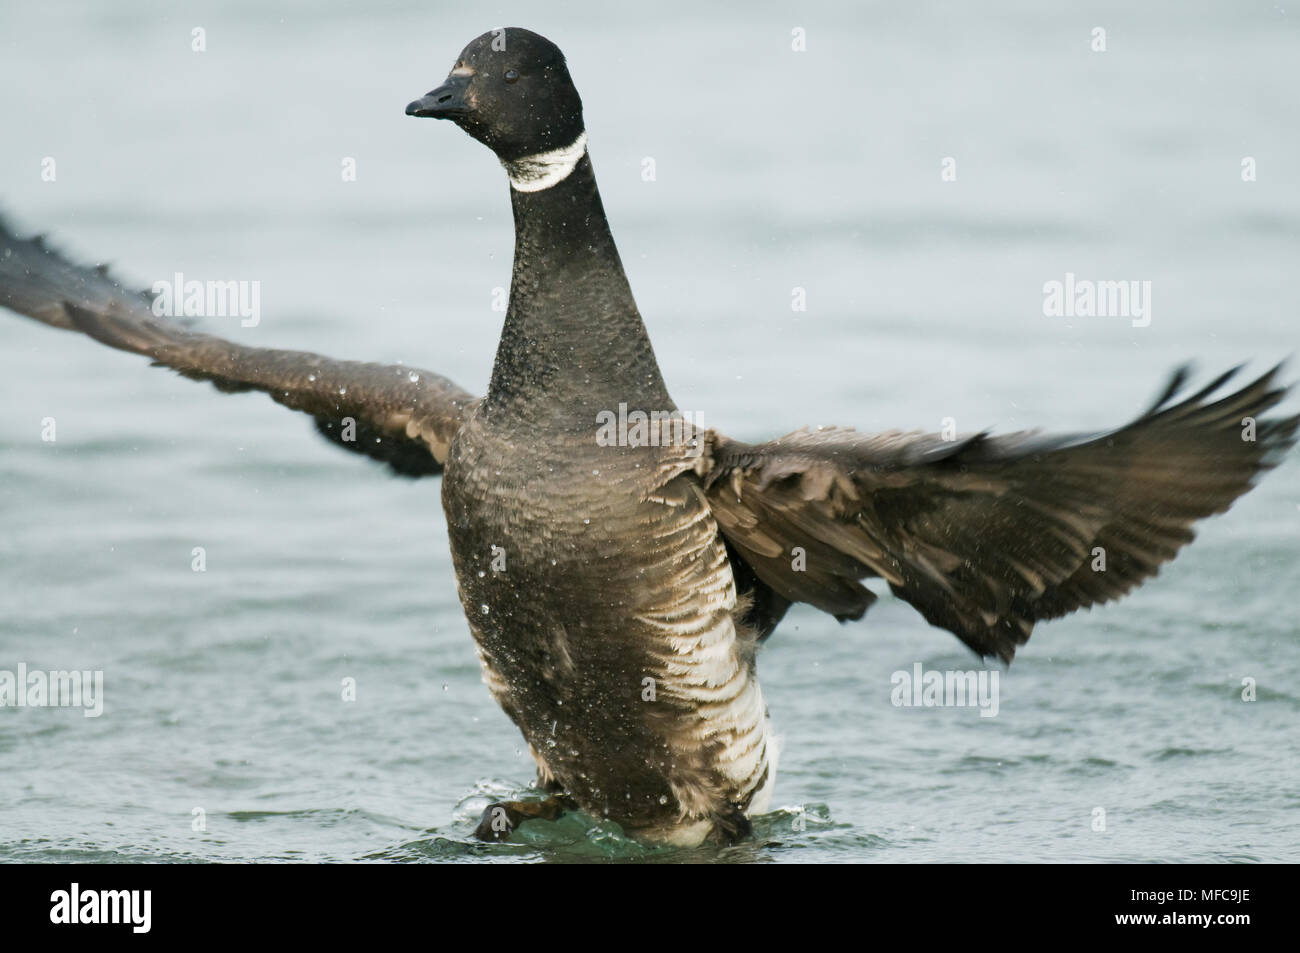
x=512, y=75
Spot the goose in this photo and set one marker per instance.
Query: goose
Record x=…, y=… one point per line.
x=617, y=588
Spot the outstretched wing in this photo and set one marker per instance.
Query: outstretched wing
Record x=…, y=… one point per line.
x=400, y=415
x=987, y=535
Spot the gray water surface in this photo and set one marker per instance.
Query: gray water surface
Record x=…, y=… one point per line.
x=775, y=169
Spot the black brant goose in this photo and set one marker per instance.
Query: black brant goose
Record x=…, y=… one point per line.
x=644, y=567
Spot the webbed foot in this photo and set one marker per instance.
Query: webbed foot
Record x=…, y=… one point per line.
x=499, y=820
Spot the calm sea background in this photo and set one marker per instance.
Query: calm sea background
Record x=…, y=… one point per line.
x=774, y=170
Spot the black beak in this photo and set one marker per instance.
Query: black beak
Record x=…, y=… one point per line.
x=445, y=102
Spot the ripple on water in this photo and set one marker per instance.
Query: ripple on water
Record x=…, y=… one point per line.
x=1173, y=753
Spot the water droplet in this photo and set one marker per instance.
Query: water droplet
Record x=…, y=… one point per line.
x=481, y=573
x=484, y=608
x=413, y=377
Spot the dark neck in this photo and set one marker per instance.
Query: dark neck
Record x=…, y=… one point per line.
x=573, y=342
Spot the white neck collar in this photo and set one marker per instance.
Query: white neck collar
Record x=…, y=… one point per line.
x=541, y=171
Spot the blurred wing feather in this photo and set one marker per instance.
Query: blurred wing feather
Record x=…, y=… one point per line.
x=987, y=535
x=402, y=416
